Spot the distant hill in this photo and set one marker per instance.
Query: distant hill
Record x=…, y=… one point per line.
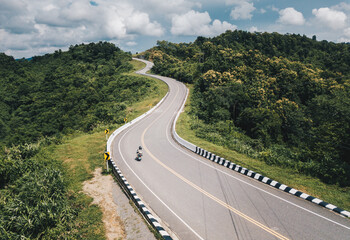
x=65, y=91
x=289, y=95
x=329, y=56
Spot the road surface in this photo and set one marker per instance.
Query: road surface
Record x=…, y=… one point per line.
x=198, y=199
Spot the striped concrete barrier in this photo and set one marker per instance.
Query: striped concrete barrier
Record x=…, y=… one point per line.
x=139, y=204
x=124, y=183
x=235, y=167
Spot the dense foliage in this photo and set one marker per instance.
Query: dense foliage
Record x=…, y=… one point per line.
x=40, y=100
x=34, y=201
x=288, y=94
x=65, y=91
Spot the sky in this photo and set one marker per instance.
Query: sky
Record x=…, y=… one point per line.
x=36, y=27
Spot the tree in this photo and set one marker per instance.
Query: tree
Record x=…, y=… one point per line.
x=261, y=123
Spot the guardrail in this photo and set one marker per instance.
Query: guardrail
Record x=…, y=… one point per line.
x=235, y=167
x=124, y=183
x=137, y=201
x=206, y=154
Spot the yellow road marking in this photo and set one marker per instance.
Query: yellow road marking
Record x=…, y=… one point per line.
x=222, y=203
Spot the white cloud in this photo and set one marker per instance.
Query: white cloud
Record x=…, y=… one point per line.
x=273, y=8
x=291, y=16
x=140, y=23
x=243, y=11
x=10, y=6
x=167, y=7
x=118, y=20
x=344, y=40
x=334, y=19
x=347, y=32
x=342, y=7
x=35, y=26
x=14, y=17
x=346, y=35
x=195, y=23
x=38, y=24
x=253, y=29
x=131, y=44
x=18, y=43
x=236, y=2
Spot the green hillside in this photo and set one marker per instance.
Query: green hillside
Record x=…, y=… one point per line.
x=283, y=99
x=65, y=91
x=45, y=102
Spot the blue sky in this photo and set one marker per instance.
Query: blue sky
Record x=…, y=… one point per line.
x=36, y=27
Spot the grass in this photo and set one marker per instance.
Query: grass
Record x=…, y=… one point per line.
x=137, y=65
x=81, y=153
x=310, y=185
x=141, y=107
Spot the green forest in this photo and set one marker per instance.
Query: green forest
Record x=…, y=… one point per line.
x=42, y=100
x=65, y=91
x=283, y=99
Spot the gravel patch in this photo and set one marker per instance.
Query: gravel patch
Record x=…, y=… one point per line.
x=120, y=219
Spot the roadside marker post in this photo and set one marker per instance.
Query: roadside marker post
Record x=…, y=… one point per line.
x=106, y=132
x=107, y=157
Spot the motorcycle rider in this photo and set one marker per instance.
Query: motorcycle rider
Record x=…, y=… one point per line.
x=139, y=151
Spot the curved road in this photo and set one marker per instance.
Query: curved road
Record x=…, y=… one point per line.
x=198, y=199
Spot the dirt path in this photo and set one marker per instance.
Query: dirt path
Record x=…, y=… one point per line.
x=120, y=219
x=100, y=189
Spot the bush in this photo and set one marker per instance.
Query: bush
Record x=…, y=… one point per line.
x=37, y=203
x=33, y=193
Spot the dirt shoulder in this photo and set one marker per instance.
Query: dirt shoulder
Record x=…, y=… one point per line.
x=120, y=219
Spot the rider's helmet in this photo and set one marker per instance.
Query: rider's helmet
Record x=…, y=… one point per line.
x=140, y=148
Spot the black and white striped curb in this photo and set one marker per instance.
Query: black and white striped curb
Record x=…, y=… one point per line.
x=140, y=205
x=247, y=172
x=219, y=160
x=124, y=183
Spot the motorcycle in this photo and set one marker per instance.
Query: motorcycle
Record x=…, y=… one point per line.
x=138, y=156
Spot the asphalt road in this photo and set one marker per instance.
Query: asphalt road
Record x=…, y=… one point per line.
x=198, y=199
